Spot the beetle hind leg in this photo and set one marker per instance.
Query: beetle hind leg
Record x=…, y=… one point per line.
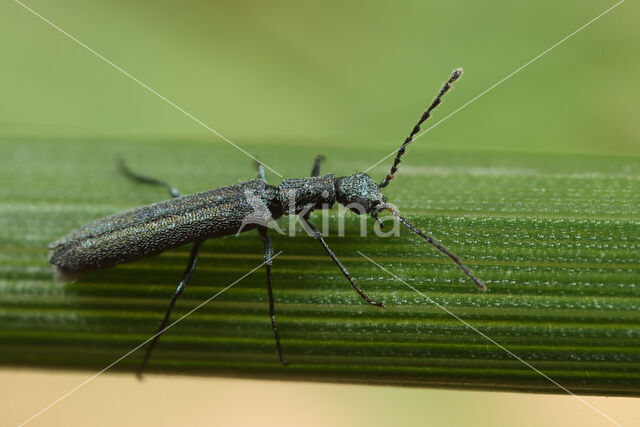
x=193, y=259
x=268, y=255
x=124, y=169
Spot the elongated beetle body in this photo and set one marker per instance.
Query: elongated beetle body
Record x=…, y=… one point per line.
x=149, y=230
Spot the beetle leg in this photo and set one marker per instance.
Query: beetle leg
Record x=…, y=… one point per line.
x=260, y=169
x=318, y=236
x=122, y=167
x=268, y=255
x=316, y=165
x=176, y=294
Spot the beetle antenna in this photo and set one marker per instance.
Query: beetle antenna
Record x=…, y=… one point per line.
x=479, y=283
x=455, y=75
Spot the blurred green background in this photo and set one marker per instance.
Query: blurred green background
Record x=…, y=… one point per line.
x=322, y=73
x=317, y=76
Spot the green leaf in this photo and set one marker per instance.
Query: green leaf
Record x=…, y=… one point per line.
x=554, y=236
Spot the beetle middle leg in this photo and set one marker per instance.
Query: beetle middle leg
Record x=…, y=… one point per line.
x=268, y=255
x=124, y=169
x=318, y=236
x=193, y=259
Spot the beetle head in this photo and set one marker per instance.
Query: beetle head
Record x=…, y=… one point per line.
x=359, y=193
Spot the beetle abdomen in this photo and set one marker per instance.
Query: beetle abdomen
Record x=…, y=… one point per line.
x=149, y=230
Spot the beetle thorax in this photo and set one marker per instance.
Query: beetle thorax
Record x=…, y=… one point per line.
x=306, y=194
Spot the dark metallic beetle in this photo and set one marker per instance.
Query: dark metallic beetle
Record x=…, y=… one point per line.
x=149, y=230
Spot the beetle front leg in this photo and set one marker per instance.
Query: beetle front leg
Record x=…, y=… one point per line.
x=268, y=255
x=318, y=236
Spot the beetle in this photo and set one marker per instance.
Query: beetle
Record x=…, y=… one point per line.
x=149, y=230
